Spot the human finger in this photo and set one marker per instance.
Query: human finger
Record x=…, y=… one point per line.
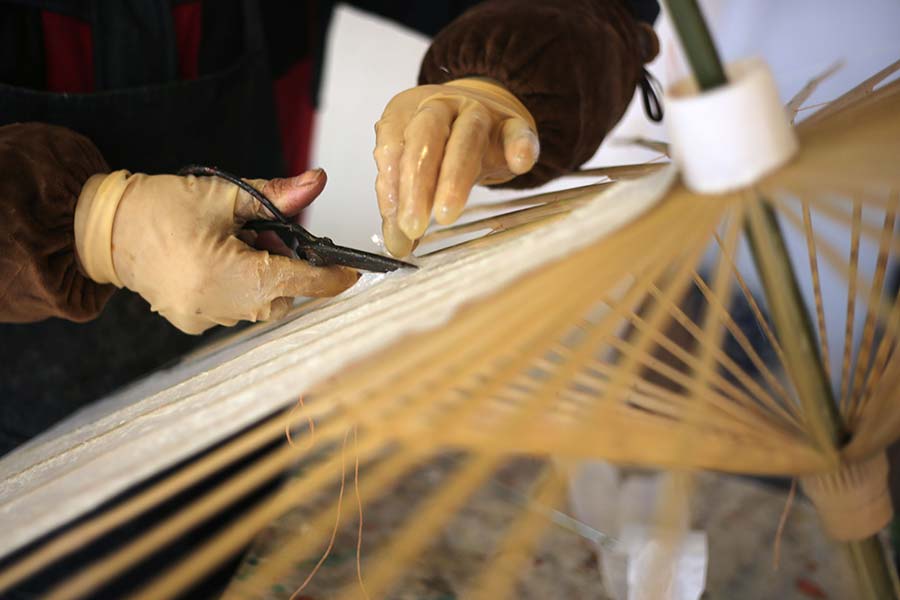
x=289, y=277
x=462, y=162
x=424, y=139
x=289, y=194
x=521, y=146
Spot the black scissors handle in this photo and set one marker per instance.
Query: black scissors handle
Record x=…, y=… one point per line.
x=318, y=251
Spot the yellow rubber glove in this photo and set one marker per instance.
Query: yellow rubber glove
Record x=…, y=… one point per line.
x=434, y=142
x=173, y=240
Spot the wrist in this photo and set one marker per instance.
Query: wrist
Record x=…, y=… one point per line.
x=95, y=214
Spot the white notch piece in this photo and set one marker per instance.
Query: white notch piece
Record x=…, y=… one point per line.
x=729, y=137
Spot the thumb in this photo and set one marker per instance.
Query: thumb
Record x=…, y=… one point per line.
x=289, y=194
x=520, y=145
x=289, y=277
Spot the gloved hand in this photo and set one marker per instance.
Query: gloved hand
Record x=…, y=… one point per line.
x=174, y=241
x=434, y=142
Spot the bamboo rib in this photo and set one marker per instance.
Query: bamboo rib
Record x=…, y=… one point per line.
x=506, y=221
x=849, y=99
x=414, y=537
x=761, y=319
x=825, y=207
x=460, y=491
x=844, y=398
x=863, y=366
x=281, y=560
x=180, y=575
x=536, y=199
x=498, y=576
x=619, y=172
x=655, y=145
x=157, y=494
x=793, y=106
x=658, y=313
x=655, y=398
x=810, y=236
x=502, y=386
x=844, y=268
x=278, y=461
x=785, y=409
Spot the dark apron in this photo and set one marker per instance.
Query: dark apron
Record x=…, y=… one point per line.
x=49, y=369
x=227, y=119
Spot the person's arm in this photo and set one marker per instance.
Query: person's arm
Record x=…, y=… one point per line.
x=69, y=228
x=574, y=64
x=42, y=170
x=513, y=93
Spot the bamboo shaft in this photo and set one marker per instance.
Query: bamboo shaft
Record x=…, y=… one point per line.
x=875, y=579
x=697, y=42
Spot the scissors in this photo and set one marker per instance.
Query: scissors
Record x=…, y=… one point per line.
x=317, y=251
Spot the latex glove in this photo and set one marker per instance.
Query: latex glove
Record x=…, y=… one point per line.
x=434, y=142
x=173, y=240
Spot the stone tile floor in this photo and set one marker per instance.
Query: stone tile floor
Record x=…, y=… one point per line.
x=740, y=516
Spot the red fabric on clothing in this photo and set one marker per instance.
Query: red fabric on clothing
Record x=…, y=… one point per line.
x=188, y=19
x=68, y=53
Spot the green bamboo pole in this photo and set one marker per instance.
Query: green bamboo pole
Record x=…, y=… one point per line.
x=876, y=580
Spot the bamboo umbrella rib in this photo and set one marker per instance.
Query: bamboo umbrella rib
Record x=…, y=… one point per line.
x=713, y=334
x=786, y=408
x=793, y=106
x=676, y=286
x=742, y=413
x=535, y=199
x=160, y=492
x=841, y=265
x=212, y=552
x=825, y=206
x=878, y=426
x=497, y=577
x=656, y=145
x=433, y=513
x=863, y=359
x=843, y=268
x=90, y=579
x=507, y=220
x=416, y=535
x=623, y=171
x=659, y=399
x=280, y=460
x=646, y=395
x=155, y=495
x=855, y=95
x=812, y=254
x=752, y=303
x=844, y=398
x=886, y=348
x=743, y=378
x=451, y=377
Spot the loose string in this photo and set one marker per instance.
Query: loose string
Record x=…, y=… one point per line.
x=359, y=532
x=337, y=524
x=290, y=420
x=779, y=531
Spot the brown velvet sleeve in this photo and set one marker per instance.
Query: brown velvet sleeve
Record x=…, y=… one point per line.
x=574, y=64
x=42, y=169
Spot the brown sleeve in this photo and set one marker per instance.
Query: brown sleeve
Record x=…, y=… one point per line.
x=42, y=169
x=574, y=64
